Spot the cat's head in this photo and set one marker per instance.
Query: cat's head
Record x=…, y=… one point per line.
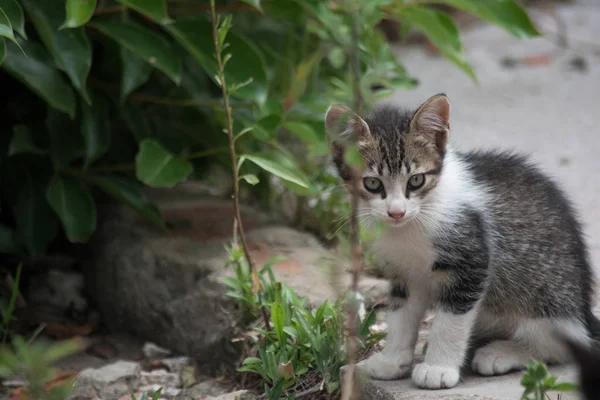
x=403, y=155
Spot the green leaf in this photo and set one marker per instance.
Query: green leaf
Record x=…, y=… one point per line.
x=277, y=170
x=251, y=360
x=369, y=320
x=60, y=350
x=507, y=14
x=8, y=241
x=14, y=12
x=70, y=48
x=155, y=9
x=303, y=131
x=253, y=3
x=6, y=29
x=278, y=318
x=195, y=35
x=95, y=129
x=441, y=31
x=131, y=194
x=75, y=207
x=36, y=71
x=78, y=12
x=157, y=167
x=65, y=147
x=36, y=223
x=22, y=142
x=565, y=387
x=251, y=179
x=144, y=43
x=301, y=75
x=136, y=121
x=2, y=50
x=136, y=72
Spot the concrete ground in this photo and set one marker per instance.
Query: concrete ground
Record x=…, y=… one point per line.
x=550, y=111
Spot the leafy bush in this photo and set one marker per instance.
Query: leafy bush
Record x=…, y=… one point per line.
x=304, y=347
x=104, y=98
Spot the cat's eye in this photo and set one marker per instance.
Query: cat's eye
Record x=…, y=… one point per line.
x=416, y=181
x=373, y=185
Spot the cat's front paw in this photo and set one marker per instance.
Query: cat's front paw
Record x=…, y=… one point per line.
x=435, y=377
x=386, y=367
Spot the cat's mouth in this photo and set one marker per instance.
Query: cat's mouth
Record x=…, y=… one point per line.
x=397, y=222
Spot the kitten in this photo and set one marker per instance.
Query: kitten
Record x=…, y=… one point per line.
x=483, y=237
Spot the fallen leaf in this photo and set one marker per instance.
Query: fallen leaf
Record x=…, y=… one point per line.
x=540, y=59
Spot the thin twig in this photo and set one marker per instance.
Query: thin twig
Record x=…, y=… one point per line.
x=236, y=202
x=350, y=388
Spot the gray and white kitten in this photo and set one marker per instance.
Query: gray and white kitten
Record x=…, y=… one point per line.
x=484, y=238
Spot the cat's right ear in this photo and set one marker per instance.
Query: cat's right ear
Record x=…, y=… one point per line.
x=344, y=126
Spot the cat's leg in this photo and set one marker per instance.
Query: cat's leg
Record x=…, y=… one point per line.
x=403, y=318
x=446, y=349
x=531, y=339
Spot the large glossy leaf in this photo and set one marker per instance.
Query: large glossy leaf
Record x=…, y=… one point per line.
x=22, y=142
x=136, y=121
x=195, y=35
x=130, y=193
x=95, y=129
x=157, y=167
x=135, y=72
x=36, y=223
x=14, y=12
x=8, y=241
x=2, y=50
x=507, y=14
x=155, y=9
x=277, y=169
x=145, y=43
x=36, y=71
x=5, y=27
x=441, y=31
x=65, y=147
x=70, y=48
x=78, y=12
x=253, y=3
x=75, y=207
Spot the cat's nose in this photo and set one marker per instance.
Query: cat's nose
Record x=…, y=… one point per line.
x=396, y=214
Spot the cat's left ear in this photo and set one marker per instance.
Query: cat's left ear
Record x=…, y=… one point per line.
x=344, y=125
x=432, y=120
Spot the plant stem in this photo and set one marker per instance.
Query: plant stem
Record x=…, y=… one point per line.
x=350, y=388
x=236, y=180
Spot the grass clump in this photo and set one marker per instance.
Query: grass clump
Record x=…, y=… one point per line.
x=304, y=351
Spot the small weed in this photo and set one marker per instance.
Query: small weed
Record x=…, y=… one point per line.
x=8, y=310
x=33, y=362
x=304, y=345
x=537, y=381
x=154, y=396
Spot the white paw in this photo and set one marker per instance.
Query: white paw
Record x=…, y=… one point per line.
x=498, y=358
x=435, y=377
x=387, y=367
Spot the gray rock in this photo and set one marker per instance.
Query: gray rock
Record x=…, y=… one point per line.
x=165, y=286
x=161, y=378
x=207, y=389
x=109, y=382
x=152, y=351
x=239, y=395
